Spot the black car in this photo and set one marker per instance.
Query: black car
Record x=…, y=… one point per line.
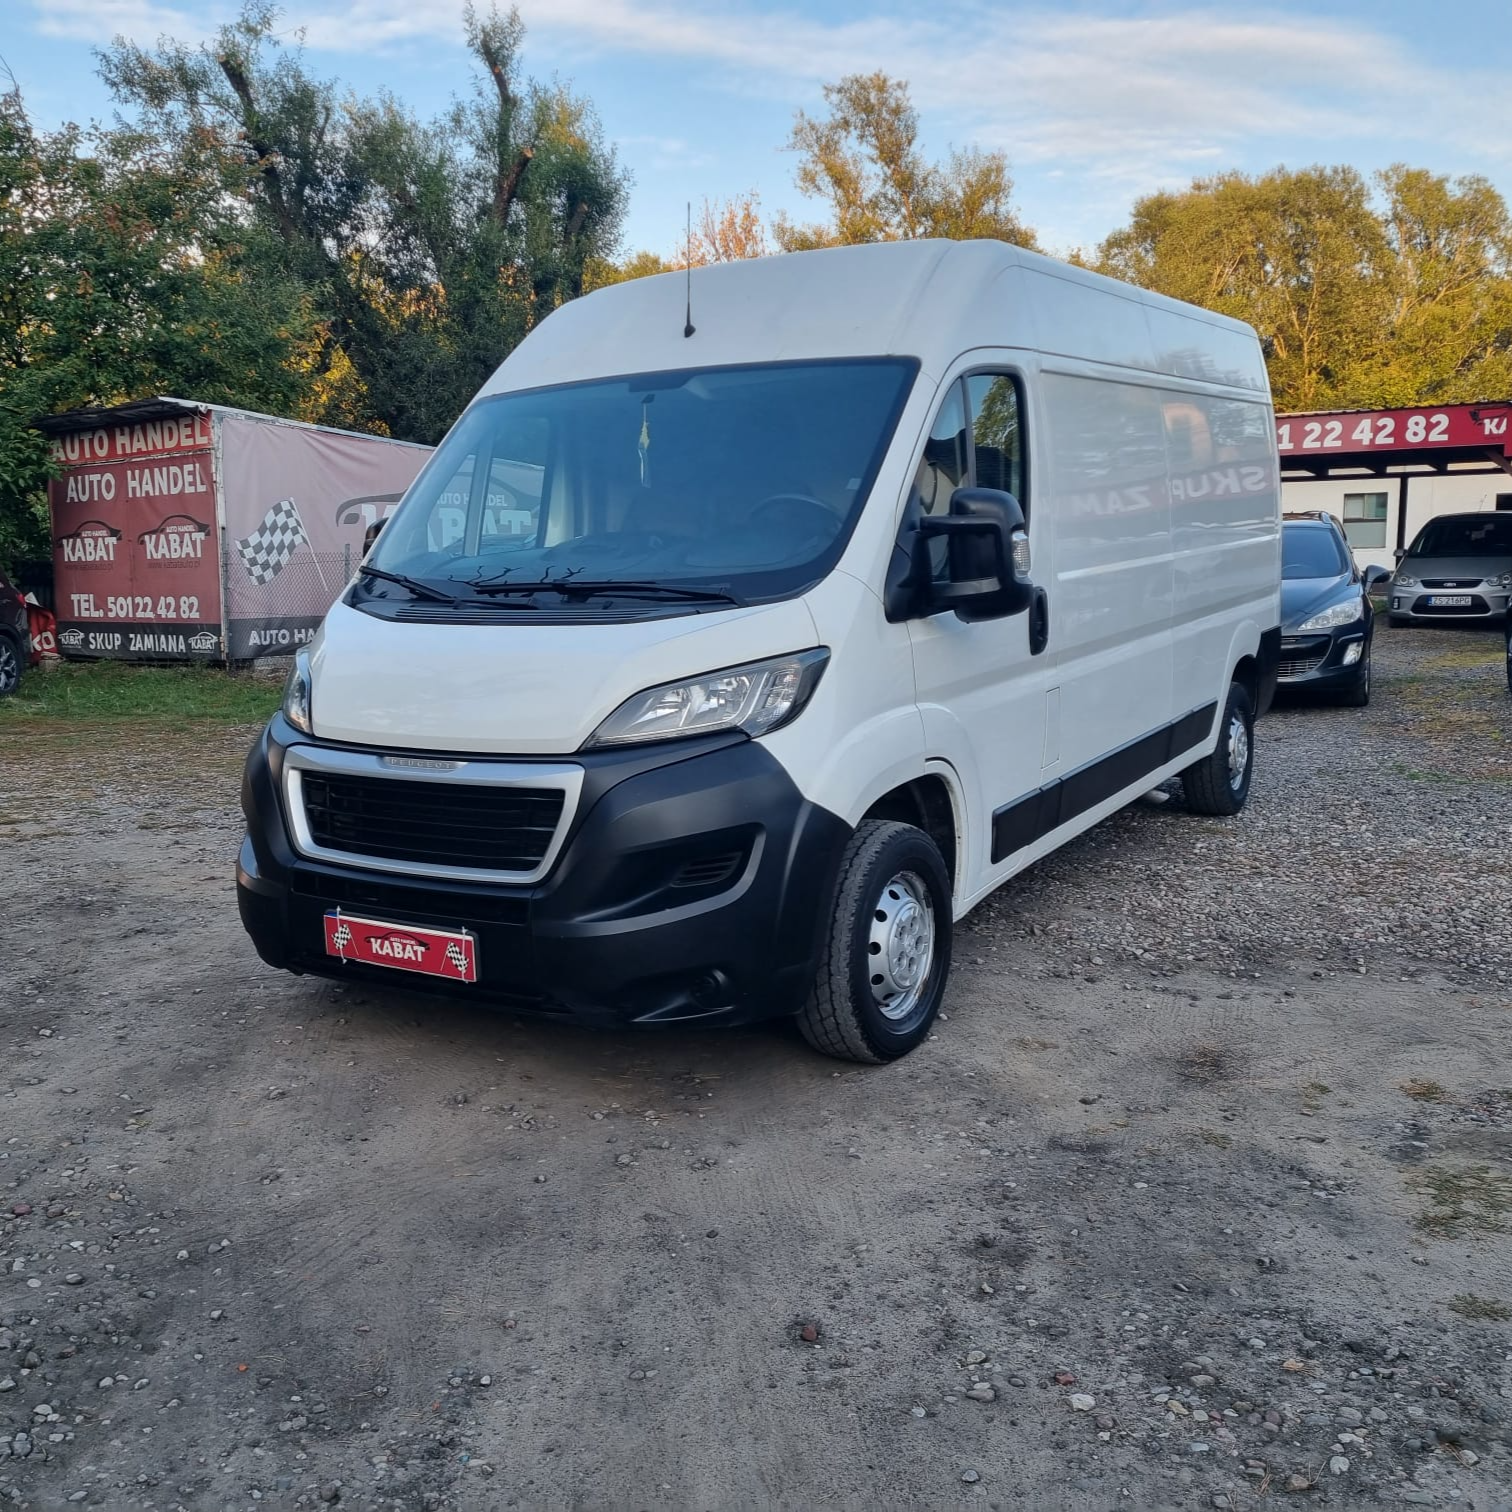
x=15, y=638
x=1326, y=617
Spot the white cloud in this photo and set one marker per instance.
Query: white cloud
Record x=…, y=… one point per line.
x=100, y=21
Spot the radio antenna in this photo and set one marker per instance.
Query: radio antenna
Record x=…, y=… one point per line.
x=688, y=258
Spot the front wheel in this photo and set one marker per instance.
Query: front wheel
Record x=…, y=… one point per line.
x=887, y=952
x=1219, y=783
x=1358, y=696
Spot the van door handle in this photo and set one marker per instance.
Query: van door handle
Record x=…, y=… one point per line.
x=1039, y=622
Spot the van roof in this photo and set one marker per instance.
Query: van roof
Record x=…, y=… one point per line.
x=931, y=300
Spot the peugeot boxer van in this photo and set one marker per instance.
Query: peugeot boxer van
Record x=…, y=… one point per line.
x=750, y=628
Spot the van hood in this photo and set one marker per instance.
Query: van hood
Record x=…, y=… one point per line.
x=519, y=689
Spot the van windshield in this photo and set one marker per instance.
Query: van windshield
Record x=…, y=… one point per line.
x=734, y=482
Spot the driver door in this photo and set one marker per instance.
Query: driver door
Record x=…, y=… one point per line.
x=986, y=699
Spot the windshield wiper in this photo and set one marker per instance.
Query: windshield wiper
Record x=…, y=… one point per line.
x=415, y=586
x=589, y=588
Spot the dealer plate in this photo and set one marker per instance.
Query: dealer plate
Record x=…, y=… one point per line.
x=449, y=953
x=1450, y=600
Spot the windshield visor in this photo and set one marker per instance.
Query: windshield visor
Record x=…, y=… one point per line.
x=744, y=481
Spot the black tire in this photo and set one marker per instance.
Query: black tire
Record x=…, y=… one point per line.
x=845, y=1014
x=11, y=662
x=1220, y=783
x=1358, y=696
x=1397, y=621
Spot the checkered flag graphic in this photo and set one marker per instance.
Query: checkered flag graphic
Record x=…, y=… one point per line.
x=341, y=936
x=269, y=548
x=458, y=957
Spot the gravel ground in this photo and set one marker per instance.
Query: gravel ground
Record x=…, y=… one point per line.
x=1200, y=1196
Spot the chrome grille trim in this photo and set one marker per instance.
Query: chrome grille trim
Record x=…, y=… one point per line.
x=566, y=777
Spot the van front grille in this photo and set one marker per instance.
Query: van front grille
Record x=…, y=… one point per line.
x=456, y=825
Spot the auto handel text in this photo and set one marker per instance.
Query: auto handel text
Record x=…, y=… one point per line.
x=164, y=480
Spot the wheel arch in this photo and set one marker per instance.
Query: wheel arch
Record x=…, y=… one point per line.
x=927, y=803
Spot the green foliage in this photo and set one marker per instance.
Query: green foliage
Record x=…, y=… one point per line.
x=864, y=159
x=1398, y=299
x=428, y=250
x=125, y=269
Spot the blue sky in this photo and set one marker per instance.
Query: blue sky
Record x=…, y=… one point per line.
x=1095, y=101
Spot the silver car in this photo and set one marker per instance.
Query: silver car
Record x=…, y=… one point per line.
x=1458, y=568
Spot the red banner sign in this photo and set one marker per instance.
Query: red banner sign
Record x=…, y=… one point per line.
x=1474, y=425
x=135, y=561
x=117, y=443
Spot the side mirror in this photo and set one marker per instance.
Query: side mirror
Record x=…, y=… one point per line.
x=1398, y=554
x=988, y=548
x=371, y=534
x=1374, y=577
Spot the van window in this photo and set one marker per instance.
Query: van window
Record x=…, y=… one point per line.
x=942, y=468
x=997, y=441
x=744, y=480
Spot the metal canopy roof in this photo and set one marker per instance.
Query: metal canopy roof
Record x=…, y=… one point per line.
x=133, y=412
x=1438, y=439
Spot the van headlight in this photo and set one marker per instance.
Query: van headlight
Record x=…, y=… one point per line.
x=296, y=696
x=757, y=698
x=1334, y=616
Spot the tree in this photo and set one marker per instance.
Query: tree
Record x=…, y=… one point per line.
x=1296, y=254
x=1404, y=298
x=864, y=160
x=428, y=249
x=1448, y=336
x=126, y=270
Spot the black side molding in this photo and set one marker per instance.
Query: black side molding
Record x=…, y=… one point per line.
x=1028, y=819
x=1270, y=666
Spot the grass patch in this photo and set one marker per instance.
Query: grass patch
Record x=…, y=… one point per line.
x=82, y=691
x=1484, y=1309
x=1419, y=1089
x=1213, y=1137
x=1469, y=1202
x=1205, y=1064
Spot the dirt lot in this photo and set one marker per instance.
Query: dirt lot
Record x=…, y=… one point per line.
x=1201, y=1196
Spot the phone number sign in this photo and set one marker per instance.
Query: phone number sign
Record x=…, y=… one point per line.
x=136, y=560
x=1488, y=426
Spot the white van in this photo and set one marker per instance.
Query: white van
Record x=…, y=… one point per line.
x=746, y=631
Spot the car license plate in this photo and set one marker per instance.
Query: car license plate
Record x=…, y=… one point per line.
x=450, y=953
x=1450, y=601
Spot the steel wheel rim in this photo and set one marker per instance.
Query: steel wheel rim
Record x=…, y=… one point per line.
x=1238, y=751
x=10, y=671
x=900, y=946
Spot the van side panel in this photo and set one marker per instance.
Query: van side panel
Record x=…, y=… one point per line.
x=1111, y=587
x=1225, y=508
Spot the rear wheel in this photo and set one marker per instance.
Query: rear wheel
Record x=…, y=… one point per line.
x=887, y=953
x=10, y=666
x=1220, y=783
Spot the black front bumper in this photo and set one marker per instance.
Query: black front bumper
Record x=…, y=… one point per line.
x=1314, y=663
x=695, y=883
